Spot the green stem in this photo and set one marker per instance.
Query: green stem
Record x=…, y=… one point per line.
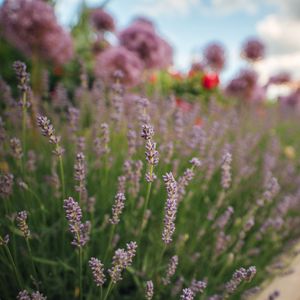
x=13, y=265
x=31, y=259
x=80, y=272
x=62, y=176
x=24, y=113
x=108, y=289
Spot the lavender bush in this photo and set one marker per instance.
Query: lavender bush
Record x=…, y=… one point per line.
x=114, y=199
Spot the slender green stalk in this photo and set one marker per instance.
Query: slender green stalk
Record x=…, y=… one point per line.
x=14, y=266
x=62, y=176
x=31, y=259
x=24, y=118
x=80, y=272
x=110, y=287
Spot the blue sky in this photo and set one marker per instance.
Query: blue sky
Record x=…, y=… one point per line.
x=190, y=24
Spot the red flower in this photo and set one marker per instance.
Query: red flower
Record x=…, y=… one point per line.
x=183, y=105
x=210, y=81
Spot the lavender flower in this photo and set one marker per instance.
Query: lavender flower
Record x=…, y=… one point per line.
x=117, y=208
x=170, y=208
x=147, y=132
x=121, y=260
x=6, y=185
x=24, y=295
x=22, y=76
x=151, y=153
x=149, y=290
x=226, y=170
x=183, y=182
x=73, y=120
x=79, y=230
x=4, y=240
x=101, y=20
x=171, y=269
x=16, y=148
x=38, y=296
x=97, y=270
x=187, y=294
x=253, y=49
x=198, y=286
x=48, y=131
x=80, y=175
x=22, y=223
x=119, y=58
x=31, y=161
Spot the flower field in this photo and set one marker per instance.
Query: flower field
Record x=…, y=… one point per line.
x=121, y=178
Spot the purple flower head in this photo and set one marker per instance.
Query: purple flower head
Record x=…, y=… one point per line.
x=6, y=184
x=22, y=223
x=16, y=148
x=142, y=39
x=198, y=286
x=101, y=20
x=22, y=75
x=24, y=295
x=170, y=208
x=121, y=260
x=149, y=290
x=117, y=208
x=280, y=78
x=226, y=170
x=79, y=230
x=97, y=270
x=31, y=26
x=172, y=266
x=253, y=49
x=214, y=56
x=119, y=58
x=187, y=294
x=292, y=100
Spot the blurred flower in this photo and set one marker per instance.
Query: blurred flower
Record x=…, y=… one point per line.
x=183, y=105
x=210, y=81
x=253, y=49
x=292, y=100
x=149, y=290
x=31, y=26
x=214, y=55
x=141, y=38
x=290, y=152
x=119, y=58
x=196, y=68
x=280, y=78
x=101, y=20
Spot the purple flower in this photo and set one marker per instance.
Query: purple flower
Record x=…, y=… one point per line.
x=16, y=148
x=22, y=75
x=22, y=223
x=170, y=208
x=101, y=20
x=187, y=294
x=214, y=55
x=119, y=58
x=121, y=260
x=226, y=170
x=117, y=208
x=253, y=49
x=280, y=78
x=79, y=230
x=24, y=295
x=149, y=290
x=31, y=26
x=80, y=173
x=198, y=286
x=97, y=270
x=142, y=39
x=172, y=266
x=4, y=240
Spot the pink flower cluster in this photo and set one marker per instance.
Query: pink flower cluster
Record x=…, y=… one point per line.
x=31, y=26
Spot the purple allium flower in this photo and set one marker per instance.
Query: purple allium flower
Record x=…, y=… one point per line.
x=121, y=260
x=97, y=270
x=48, y=131
x=280, y=78
x=187, y=294
x=226, y=170
x=171, y=269
x=4, y=240
x=119, y=58
x=101, y=20
x=22, y=75
x=80, y=172
x=16, y=148
x=214, y=55
x=22, y=223
x=117, y=208
x=170, y=208
x=144, y=42
x=79, y=230
x=198, y=286
x=149, y=290
x=31, y=26
x=253, y=49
